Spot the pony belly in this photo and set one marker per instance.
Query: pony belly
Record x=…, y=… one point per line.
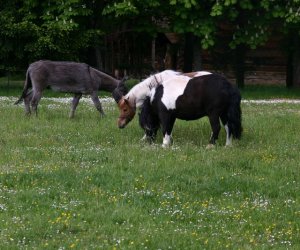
x=189, y=117
x=189, y=109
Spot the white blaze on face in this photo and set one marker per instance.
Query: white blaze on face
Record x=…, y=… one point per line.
x=173, y=88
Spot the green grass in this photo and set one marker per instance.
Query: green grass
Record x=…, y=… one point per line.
x=85, y=184
x=269, y=92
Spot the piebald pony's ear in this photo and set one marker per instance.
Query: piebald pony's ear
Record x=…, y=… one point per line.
x=127, y=100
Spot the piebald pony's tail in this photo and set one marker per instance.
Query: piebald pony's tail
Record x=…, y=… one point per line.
x=235, y=114
x=27, y=85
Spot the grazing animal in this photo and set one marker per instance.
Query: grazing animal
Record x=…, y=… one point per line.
x=134, y=99
x=207, y=95
x=68, y=77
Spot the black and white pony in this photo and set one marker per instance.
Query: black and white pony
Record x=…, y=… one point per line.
x=135, y=97
x=190, y=99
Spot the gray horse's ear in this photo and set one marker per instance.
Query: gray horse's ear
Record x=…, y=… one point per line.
x=117, y=95
x=124, y=79
x=122, y=87
x=120, y=90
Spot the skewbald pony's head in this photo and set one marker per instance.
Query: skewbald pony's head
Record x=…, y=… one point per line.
x=126, y=108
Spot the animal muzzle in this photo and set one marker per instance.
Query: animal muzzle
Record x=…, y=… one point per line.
x=122, y=122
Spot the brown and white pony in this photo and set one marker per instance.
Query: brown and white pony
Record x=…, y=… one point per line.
x=135, y=97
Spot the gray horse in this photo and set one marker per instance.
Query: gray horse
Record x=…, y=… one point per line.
x=68, y=77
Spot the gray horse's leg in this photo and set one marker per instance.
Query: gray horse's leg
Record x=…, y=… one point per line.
x=97, y=103
x=74, y=104
x=35, y=101
x=27, y=100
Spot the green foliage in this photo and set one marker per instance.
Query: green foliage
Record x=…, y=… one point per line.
x=123, y=8
x=53, y=29
x=61, y=29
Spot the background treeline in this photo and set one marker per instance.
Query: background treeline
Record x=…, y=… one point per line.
x=139, y=36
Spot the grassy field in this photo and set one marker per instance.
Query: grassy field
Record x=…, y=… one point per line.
x=85, y=184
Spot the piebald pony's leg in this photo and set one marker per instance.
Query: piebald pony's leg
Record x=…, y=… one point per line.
x=74, y=104
x=215, y=125
x=167, y=141
x=224, y=119
x=144, y=137
x=167, y=122
x=228, y=136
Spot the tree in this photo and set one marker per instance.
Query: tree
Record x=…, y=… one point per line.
x=32, y=29
x=74, y=29
x=252, y=23
x=201, y=22
x=289, y=13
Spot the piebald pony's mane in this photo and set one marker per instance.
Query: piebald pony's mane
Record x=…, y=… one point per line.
x=139, y=92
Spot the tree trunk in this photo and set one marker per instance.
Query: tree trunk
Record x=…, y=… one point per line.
x=289, y=65
x=239, y=66
x=289, y=70
x=188, y=52
x=174, y=55
x=153, y=53
x=296, y=61
x=197, y=58
x=293, y=60
x=171, y=56
x=99, y=62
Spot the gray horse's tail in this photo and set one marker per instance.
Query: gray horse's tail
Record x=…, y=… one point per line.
x=235, y=115
x=27, y=85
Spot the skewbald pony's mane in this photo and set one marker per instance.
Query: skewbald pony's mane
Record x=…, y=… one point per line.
x=139, y=92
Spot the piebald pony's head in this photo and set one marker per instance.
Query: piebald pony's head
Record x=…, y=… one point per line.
x=127, y=104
